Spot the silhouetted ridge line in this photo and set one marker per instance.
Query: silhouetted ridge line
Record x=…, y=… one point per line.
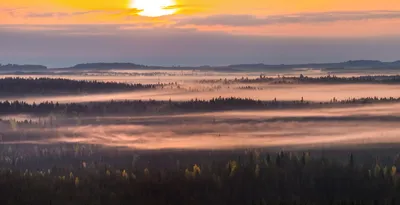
x=107, y=66
x=122, y=66
x=347, y=64
x=352, y=64
x=343, y=65
x=16, y=67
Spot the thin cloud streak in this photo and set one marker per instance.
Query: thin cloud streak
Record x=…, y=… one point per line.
x=28, y=13
x=60, y=14
x=299, y=18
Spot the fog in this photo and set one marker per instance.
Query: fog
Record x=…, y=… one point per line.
x=323, y=127
x=320, y=127
x=190, y=88
x=268, y=92
x=185, y=76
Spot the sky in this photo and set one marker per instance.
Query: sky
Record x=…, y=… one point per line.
x=61, y=33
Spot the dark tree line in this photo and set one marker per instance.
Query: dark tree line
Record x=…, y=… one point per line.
x=383, y=79
x=48, y=86
x=129, y=107
x=153, y=106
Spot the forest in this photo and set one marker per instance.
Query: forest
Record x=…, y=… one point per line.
x=128, y=107
x=48, y=86
x=86, y=152
x=329, y=79
x=80, y=174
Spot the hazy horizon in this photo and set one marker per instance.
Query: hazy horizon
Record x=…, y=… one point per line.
x=61, y=33
x=67, y=51
x=192, y=65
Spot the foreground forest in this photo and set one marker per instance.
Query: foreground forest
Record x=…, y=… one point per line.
x=82, y=175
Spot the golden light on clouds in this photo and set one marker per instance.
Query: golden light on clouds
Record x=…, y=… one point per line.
x=154, y=8
x=254, y=17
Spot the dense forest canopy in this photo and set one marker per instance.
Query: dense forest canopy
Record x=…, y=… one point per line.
x=302, y=79
x=127, y=107
x=252, y=177
x=47, y=86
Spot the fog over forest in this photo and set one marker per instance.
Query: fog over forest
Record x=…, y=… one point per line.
x=143, y=136
x=199, y=102
x=330, y=125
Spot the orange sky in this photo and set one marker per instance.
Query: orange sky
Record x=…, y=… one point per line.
x=224, y=6
x=117, y=12
x=234, y=31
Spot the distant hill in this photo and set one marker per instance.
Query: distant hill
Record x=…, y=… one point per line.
x=354, y=64
x=101, y=66
x=360, y=64
x=16, y=67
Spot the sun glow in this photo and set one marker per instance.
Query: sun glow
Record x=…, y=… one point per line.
x=154, y=8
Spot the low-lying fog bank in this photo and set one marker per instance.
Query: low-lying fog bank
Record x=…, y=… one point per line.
x=268, y=92
x=324, y=127
x=306, y=127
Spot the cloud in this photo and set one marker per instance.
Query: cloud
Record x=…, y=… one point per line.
x=60, y=14
x=10, y=9
x=117, y=12
x=118, y=30
x=13, y=12
x=177, y=6
x=187, y=9
x=250, y=20
x=31, y=15
x=122, y=14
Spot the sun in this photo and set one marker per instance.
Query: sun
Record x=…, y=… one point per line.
x=153, y=8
